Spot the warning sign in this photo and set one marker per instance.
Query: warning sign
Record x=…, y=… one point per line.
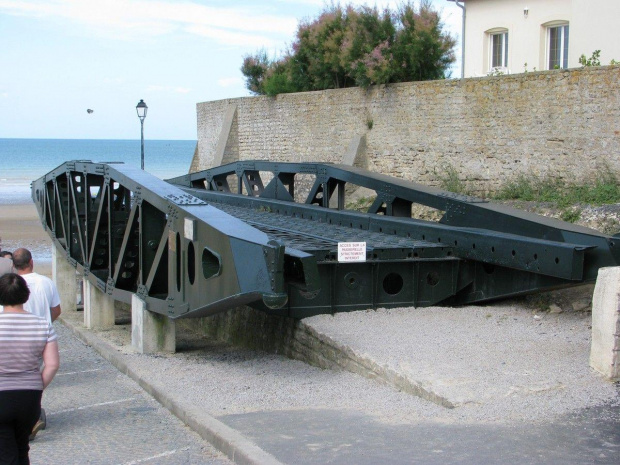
x=351, y=251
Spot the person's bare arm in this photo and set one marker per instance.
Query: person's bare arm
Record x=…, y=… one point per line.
x=55, y=311
x=51, y=362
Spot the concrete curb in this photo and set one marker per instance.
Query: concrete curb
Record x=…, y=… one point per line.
x=230, y=442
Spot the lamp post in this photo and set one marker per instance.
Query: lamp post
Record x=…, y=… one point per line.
x=141, y=109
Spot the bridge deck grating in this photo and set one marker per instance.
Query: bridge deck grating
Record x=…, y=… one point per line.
x=312, y=235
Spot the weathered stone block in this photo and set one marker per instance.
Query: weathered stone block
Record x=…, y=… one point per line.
x=605, y=350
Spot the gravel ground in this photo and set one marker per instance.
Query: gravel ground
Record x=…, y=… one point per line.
x=225, y=380
x=495, y=363
x=498, y=364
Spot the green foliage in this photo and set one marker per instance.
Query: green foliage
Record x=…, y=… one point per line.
x=449, y=180
x=606, y=190
x=361, y=205
x=571, y=215
x=356, y=46
x=594, y=59
x=520, y=188
x=254, y=69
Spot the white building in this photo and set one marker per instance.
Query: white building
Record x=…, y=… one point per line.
x=513, y=36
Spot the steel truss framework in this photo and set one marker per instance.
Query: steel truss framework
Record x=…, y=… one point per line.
x=233, y=235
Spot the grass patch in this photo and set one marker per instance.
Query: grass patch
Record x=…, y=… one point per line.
x=572, y=215
x=449, y=180
x=360, y=205
x=605, y=190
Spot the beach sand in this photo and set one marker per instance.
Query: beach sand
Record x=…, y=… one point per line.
x=20, y=226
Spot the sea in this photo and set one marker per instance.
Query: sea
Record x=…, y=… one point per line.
x=25, y=160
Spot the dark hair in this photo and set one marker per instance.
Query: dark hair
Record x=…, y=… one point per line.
x=13, y=290
x=21, y=259
x=6, y=254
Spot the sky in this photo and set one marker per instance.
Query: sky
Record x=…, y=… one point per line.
x=59, y=58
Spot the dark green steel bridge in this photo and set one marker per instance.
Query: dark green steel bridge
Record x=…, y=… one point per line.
x=235, y=235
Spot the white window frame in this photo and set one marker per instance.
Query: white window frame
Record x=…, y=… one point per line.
x=564, y=31
x=501, y=35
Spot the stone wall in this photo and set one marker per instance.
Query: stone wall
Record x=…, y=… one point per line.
x=564, y=123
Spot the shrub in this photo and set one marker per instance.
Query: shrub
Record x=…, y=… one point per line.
x=356, y=46
x=594, y=59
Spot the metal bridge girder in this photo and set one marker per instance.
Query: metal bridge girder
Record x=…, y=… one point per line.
x=235, y=234
x=146, y=236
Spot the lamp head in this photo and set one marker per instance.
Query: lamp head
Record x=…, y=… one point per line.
x=141, y=109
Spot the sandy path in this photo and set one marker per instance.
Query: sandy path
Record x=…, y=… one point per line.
x=20, y=226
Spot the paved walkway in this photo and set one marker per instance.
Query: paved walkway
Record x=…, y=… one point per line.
x=263, y=408
x=96, y=415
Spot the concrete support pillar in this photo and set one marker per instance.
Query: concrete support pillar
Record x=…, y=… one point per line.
x=150, y=332
x=605, y=350
x=65, y=277
x=98, y=308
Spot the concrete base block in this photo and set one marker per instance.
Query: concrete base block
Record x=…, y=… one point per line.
x=151, y=332
x=356, y=152
x=605, y=350
x=65, y=277
x=98, y=308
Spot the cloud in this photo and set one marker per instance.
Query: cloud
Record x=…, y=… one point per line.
x=230, y=81
x=156, y=88
x=133, y=19
x=321, y=3
x=108, y=80
x=380, y=4
x=169, y=89
x=230, y=37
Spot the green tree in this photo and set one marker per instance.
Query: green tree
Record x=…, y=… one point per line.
x=356, y=46
x=254, y=69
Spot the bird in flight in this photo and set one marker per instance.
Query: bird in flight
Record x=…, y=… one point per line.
x=89, y=111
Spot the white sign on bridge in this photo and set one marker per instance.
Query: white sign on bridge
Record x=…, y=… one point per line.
x=351, y=251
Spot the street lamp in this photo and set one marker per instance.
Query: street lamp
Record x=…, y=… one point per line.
x=141, y=109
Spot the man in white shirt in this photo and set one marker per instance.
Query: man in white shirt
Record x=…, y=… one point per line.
x=43, y=301
x=6, y=265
